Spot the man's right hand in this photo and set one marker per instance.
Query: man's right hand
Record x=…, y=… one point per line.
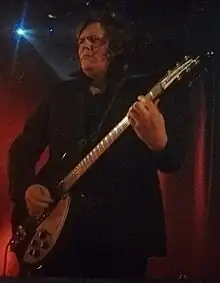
x=37, y=199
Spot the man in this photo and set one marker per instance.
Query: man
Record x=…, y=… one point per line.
x=116, y=219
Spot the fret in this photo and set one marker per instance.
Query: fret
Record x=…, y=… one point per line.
x=94, y=154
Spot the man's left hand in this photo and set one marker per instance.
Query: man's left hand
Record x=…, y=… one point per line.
x=148, y=123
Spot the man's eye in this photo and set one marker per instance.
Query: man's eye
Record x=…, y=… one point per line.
x=94, y=39
x=80, y=42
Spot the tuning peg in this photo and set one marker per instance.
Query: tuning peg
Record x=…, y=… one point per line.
x=186, y=57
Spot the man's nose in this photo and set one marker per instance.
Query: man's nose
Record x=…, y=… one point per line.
x=87, y=44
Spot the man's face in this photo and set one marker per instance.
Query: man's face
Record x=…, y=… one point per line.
x=93, y=50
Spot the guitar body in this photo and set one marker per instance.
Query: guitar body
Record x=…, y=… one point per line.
x=39, y=239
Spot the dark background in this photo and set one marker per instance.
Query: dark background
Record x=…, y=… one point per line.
x=163, y=33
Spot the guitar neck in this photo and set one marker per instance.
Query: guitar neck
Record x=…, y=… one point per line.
x=103, y=145
x=94, y=154
x=109, y=139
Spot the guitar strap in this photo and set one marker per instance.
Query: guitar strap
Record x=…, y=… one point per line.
x=94, y=137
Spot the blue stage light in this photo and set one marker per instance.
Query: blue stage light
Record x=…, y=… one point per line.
x=20, y=31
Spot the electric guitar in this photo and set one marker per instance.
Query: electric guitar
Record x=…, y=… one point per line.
x=37, y=237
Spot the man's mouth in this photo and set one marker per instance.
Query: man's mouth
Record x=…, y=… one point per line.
x=86, y=56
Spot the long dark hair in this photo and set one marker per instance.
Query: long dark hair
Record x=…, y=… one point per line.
x=119, y=38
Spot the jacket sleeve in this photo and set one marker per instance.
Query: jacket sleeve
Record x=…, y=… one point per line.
x=175, y=108
x=25, y=151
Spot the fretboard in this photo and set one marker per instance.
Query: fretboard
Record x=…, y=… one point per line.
x=94, y=154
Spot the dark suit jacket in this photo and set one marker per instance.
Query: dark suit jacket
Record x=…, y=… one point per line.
x=117, y=203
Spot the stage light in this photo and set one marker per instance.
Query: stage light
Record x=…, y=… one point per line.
x=20, y=31
x=50, y=16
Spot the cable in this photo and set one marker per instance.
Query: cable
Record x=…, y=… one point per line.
x=5, y=261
